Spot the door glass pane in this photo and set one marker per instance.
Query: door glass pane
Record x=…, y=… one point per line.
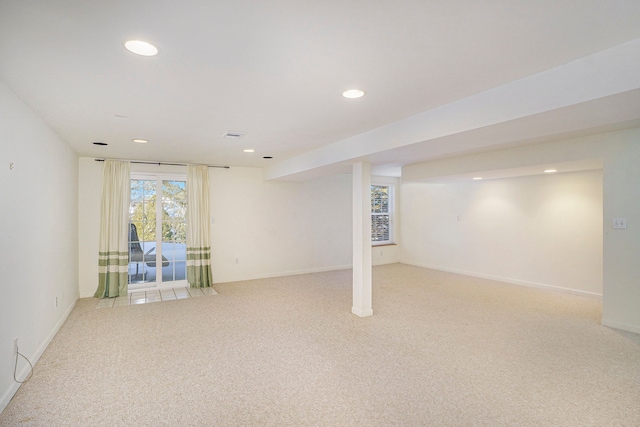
x=181, y=270
x=174, y=229
x=142, y=231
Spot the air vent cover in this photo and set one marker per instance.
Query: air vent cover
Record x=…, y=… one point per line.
x=234, y=134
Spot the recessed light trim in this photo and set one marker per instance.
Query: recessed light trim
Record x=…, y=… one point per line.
x=99, y=143
x=353, y=93
x=140, y=141
x=551, y=171
x=267, y=157
x=140, y=47
x=249, y=150
x=477, y=178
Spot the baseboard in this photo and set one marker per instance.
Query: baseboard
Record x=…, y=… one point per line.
x=374, y=264
x=508, y=280
x=621, y=326
x=283, y=273
x=272, y=275
x=362, y=313
x=88, y=294
x=8, y=395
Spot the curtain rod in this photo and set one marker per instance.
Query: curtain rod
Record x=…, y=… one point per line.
x=161, y=163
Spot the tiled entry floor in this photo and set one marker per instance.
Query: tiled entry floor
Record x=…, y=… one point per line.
x=143, y=297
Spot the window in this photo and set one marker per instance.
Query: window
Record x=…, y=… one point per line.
x=157, y=231
x=382, y=209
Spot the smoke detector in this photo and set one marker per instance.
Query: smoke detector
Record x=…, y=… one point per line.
x=233, y=134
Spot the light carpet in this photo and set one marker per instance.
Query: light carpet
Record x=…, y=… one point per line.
x=441, y=349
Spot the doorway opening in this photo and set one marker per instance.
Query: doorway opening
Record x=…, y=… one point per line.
x=157, y=232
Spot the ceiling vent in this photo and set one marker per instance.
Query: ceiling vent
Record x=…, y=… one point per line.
x=233, y=134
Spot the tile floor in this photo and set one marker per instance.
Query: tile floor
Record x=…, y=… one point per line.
x=143, y=297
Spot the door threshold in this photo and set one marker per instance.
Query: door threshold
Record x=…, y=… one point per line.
x=159, y=288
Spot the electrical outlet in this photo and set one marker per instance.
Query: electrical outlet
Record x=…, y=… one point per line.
x=619, y=223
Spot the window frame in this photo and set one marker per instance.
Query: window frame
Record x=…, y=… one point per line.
x=159, y=283
x=391, y=212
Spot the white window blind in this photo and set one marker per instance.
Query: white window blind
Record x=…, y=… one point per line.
x=382, y=214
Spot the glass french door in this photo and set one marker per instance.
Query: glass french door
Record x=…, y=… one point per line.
x=157, y=232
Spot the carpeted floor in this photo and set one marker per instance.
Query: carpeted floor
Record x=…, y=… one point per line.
x=441, y=349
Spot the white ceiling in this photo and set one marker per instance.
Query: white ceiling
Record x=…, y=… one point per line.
x=276, y=69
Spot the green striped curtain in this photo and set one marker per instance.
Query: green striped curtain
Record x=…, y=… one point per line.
x=113, y=256
x=198, y=246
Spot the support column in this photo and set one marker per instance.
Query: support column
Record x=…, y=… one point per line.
x=362, y=240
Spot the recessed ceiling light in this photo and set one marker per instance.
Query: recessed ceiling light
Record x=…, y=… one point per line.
x=477, y=178
x=267, y=157
x=140, y=141
x=141, y=48
x=99, y=143
x=551, y=171
x=353, y=93
x=249, y=150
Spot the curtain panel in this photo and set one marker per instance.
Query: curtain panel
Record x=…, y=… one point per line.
x=113, y=255
x=198, y=246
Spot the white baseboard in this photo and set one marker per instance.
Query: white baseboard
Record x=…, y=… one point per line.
x=8, y=395
x=264, y=276
x=281, y=274
x=621, y=326
x=362, y=313
x=385, y=262
x=508, y=280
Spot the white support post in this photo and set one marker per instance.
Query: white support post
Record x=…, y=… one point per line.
x=362, y=240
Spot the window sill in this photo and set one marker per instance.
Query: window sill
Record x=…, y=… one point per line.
x=383, y=244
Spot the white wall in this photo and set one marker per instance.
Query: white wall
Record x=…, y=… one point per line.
x=619, y=152
x=385, y=254
x=276, y=228
x=89, y=196
x=543, y=230
x=38, y=253
x=271, y=228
